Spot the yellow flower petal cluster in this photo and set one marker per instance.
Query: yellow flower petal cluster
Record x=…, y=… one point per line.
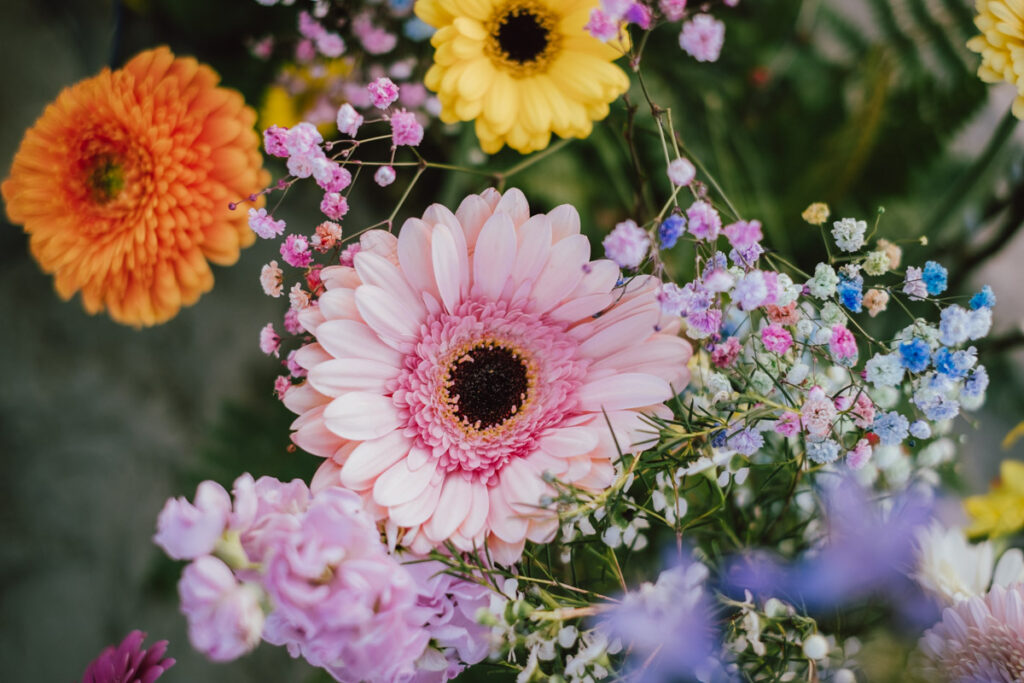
x=1001, y=510
x=1001, y=45
x=522, y=69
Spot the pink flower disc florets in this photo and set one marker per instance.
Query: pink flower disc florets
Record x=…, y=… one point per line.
x=458, y=364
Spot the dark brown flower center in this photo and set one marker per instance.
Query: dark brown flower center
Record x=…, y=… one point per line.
x=104, y=178
x=487, y=385
x=523, y=38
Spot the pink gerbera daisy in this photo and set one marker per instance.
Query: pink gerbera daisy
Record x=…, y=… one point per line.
x=458, y=363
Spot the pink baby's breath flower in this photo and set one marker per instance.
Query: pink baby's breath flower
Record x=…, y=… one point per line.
x=334, y=205
x=776, y=338
x=602, y=26
x=270, y=279
x=274, y=141
x=327, y=235
x=413, y=95
x=225, y=619
x=743, y=234
x=305, y=51
x=639, y=14
x=726, y=353
x=383, y=92
x=843, y=345
x=702, y=38
x=349, y=120
x=330, y=45
x=295, y=251
x=703, y=221
x=864, y=410
x=296, y=370
x=270, y=342
x=681, y=172
x=291, y=316
x=787, y=425
x=405, y=129
x=262, y=48
x=674, y=10
x=264, y=225
x=627, y=245
x=281, y=386
x=185, y=530
x=859, y=455
x=375, y=40
x=784, y=315
x=303, y=139
x=301, y=165
x=817, y=413
x=310, y=27
x=298, y=297
x=384, y=176
x=331, y=176
x=349, y=253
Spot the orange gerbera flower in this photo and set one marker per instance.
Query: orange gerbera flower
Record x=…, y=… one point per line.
x=124, y=185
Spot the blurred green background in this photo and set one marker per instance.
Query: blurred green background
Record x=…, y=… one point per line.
x=863, y=104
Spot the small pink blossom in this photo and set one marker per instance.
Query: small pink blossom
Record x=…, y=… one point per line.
x=330, y=45
x=310, y=27
x=876, y=301
x=784, y=315
x=270, y=279
x=349, y=254
x=859, y=455
x=703, y=221
x=301, y=165
x=864, y=409
x=681, y=172
x=334, y=205
x=295, y=251
x=674, y=10
x=776, y=338
x=298, y=297
x=787, y=424
x=702, y=38
x=296, y=370
x=262, y=48
x=726, y=353
x=327, y=235
x=264, y=225
x=914, y=285
x=602, y=26
x=349, y=120
x=743, y=234
x=376, y=41
x=281, y=386
x=405, y=129
x=270, y=342
x=843, y=345
x=291, y=316
x=384, y=176
x=303, y=139
x=225, y=619
x=639, y=14
x=305, y=51
x=185, y=530
x=817, y=413
x=331, y=176
x=383, y=92
x=627, y=245
x=413, y=95
x=274, y=141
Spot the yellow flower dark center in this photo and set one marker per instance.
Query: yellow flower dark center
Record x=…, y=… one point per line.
x=522, y=37
x=487, y=385
x=105, y=179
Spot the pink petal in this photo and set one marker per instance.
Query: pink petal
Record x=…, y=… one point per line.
x=336, y=377
x=503, y=522
x=380, y=272
x=310, y=318
x=339, y=303
x=449, y=268
x=311, y=355
x=599, y=279
x=476, y=519
x=562, y=273
x=627, y=390
x=398, y=484
x=351, y=339
x=494, y=257
x=523, y=486
x=582, y=308
x=514, y=203
x=380, y=242
x=388, y=316
x=303, y=398
x=452, y=508
x=361, y=416
x=565, y=221
x=534, y=248
x=371, y=458
x=339, y=277
x=472, y=213
x=605, y=339
x=568, y=442
x=414, y=256
x=419, y=509
x=315, y=438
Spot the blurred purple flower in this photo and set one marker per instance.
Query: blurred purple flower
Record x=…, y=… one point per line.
x=129, y=663
x=868, y=549
x=671, y=618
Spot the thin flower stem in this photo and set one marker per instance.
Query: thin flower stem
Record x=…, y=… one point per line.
x=502, y=176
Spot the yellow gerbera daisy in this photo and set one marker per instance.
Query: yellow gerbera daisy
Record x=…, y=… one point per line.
x=1001, y=510
x=1001, y=45
x=523, y=69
